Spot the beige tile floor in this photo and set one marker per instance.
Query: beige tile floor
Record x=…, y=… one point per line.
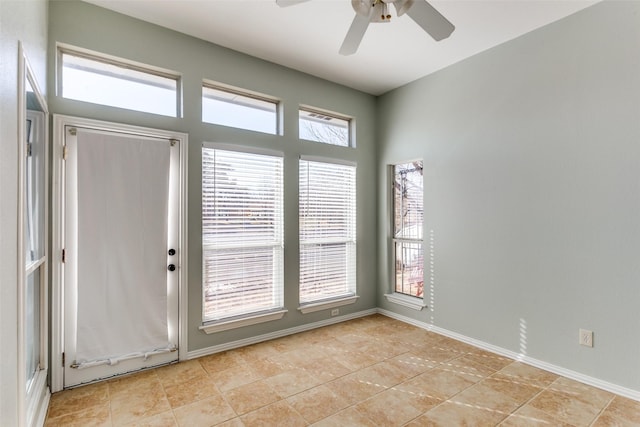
x=373, y=371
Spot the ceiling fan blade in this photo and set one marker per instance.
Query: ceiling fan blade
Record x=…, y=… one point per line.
x=425, y=15
x=354, y=35
x=285, y=3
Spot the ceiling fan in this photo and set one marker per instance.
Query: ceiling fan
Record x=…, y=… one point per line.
x=367, y=11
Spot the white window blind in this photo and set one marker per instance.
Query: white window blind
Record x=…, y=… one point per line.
x=242, y=234
x=327, y=231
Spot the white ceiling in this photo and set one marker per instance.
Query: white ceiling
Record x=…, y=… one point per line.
x=307, y=36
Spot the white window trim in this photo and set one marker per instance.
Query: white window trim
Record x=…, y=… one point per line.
x=325, y=305
x=242, y=149
x=321, y=159
x=404, y=300
x=115, y=60
x=210, y=84
x=351, y=134
x=225, y=325
x=63, y=48
x=32, y=403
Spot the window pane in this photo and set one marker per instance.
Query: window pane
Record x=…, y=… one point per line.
x=326, y=270
x=227, y=108
x=34, y=186
x=320, y=127
x=32, y=325
x=327, y=231
x=242, y=233
x=408, y=195
x=92, y=80
x=409, y=268
x=408, y=218
x=241, y=280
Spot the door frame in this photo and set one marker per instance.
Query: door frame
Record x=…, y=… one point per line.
x=58, y=231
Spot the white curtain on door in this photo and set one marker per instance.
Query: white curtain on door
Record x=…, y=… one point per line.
x=123, y=192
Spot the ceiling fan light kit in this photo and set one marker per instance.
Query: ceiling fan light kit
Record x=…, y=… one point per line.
x=377, y=11
x=381, y=8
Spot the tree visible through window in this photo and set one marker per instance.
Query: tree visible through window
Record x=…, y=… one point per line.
x=323, y=127
x=407, y=228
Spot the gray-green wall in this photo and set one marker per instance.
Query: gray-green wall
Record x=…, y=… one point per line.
x=26, y=22
x=87, y=26
x=532, y=191
x=531, y=154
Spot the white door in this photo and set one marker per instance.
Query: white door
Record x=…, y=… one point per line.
x=121, y=237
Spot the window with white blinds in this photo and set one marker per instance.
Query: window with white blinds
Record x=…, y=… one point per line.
x=242, y=233
x=327, y=231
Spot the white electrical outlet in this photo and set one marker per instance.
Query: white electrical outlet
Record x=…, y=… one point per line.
x=335, y=311
x=585, y=338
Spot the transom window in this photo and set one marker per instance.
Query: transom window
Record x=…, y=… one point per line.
x=327, y=231
x=234, y=108
x=324, y=127
x=242, y=233
x=91, y=77
x=407, y=228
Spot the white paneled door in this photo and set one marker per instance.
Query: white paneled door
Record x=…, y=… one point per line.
x=121, y=252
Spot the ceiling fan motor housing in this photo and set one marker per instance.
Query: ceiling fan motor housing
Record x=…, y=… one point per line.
x=378, y=10
x=368, y=11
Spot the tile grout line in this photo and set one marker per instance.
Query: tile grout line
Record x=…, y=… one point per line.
x=602, y=411
x=220, y=391
x=438, y=365
x=447, y=399
x=263, y=373
x=353, y=405
x=526, y=402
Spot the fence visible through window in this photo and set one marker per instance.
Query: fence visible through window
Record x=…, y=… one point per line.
x=408, y=218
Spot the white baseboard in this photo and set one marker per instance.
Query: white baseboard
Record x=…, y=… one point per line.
x=277, y=334
x=577, y=376
x=42, y=407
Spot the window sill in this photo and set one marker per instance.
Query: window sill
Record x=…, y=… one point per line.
x=225, y=325
x=406, y=301
x=324, y=305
